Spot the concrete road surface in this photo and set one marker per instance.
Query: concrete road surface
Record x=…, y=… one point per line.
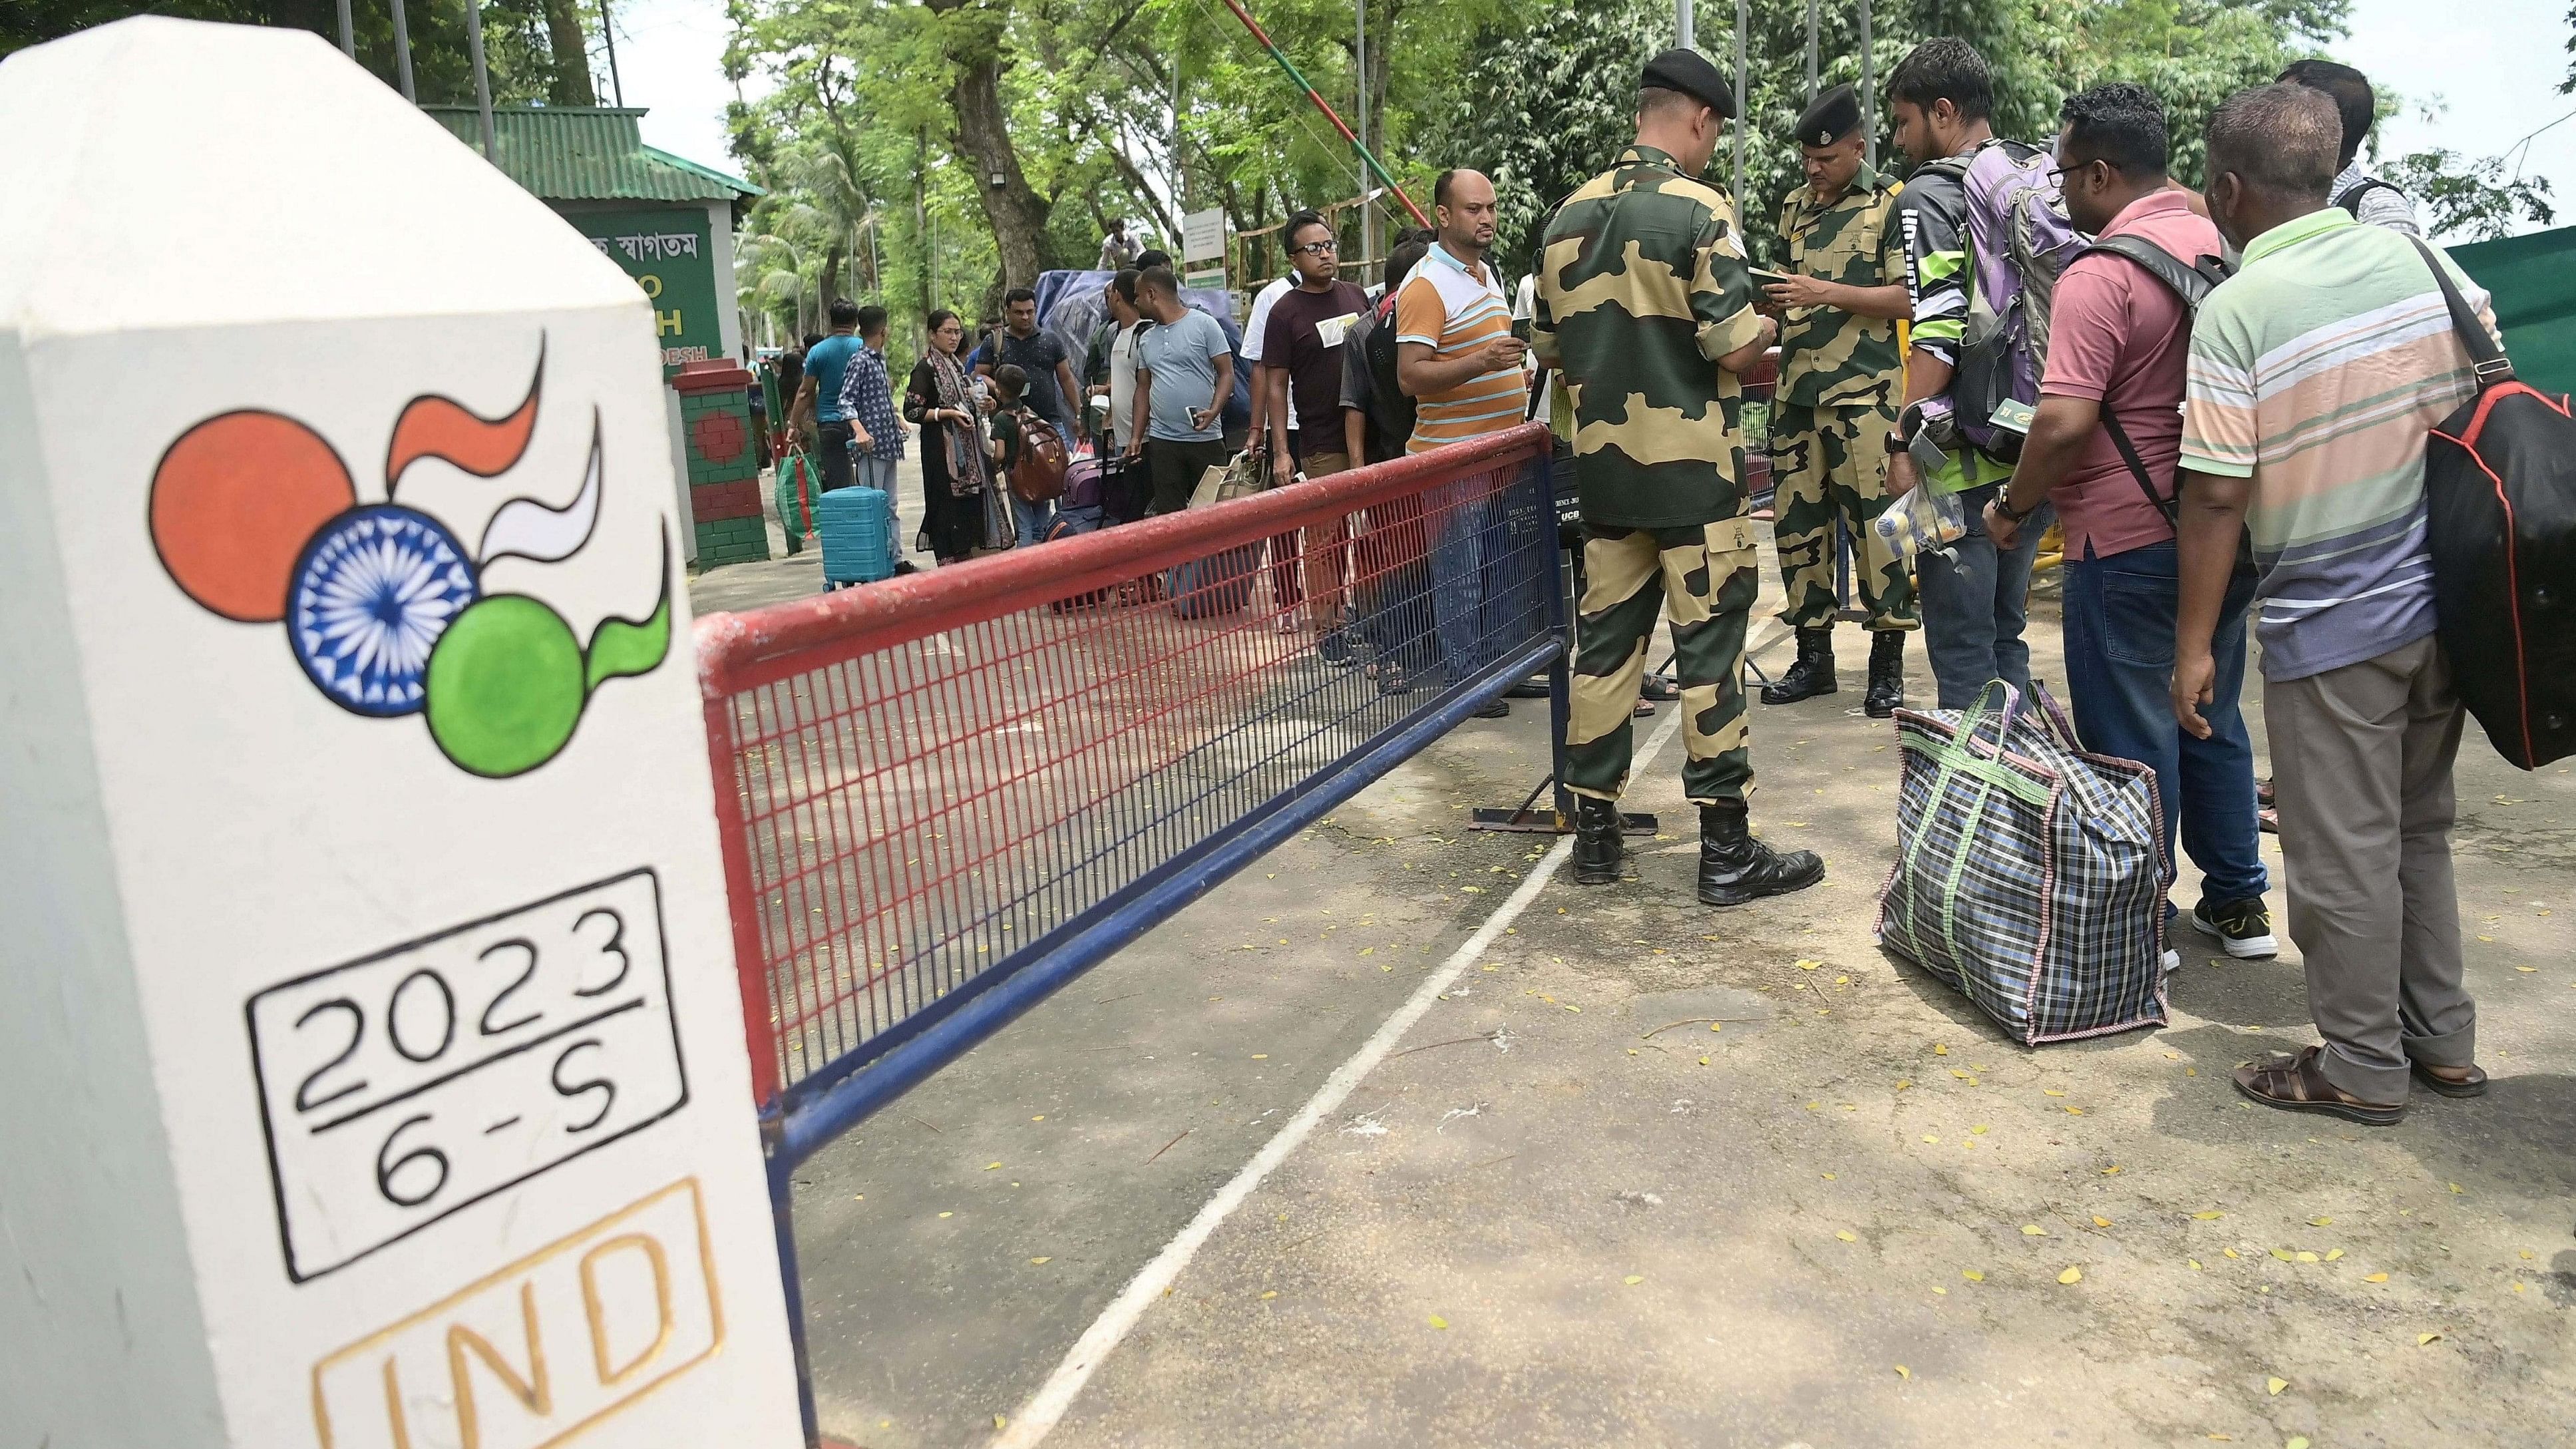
x=1556, y=1208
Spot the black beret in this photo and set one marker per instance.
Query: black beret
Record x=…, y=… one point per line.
x=1688, y=71
x=1835, y=114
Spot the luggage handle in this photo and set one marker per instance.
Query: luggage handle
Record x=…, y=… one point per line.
x=1976, y=715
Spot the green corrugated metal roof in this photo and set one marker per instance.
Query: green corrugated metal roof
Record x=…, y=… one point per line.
x=583, y=153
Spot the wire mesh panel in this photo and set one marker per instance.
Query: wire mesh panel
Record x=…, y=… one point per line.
x=938, y=780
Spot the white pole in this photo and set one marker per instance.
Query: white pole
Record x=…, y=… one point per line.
x=1811, y=51
x=1682, y=24
x=1742, y=18
x=348, y=35
x=1868, y=94
x=1359, y=106
x=402, y=53
x=482, y=77
x=617, y=87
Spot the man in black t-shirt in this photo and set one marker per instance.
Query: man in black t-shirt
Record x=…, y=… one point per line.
x=1301, y=361
x=1040, y=354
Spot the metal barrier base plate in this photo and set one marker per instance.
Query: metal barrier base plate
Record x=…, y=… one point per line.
x=1548, y=822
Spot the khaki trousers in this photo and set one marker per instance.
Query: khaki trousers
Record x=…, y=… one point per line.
x=2361, y=771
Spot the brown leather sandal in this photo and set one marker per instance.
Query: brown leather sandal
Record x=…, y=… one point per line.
x=2296, y=1084
x=2472, y=1085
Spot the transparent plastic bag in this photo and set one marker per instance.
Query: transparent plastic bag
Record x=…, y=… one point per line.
x=1923, y=521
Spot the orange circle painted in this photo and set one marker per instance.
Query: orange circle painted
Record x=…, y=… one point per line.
x=233, y=502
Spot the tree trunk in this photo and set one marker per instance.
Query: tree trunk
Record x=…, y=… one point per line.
x=829, y=285
x=1017, y=213
x=571, y=85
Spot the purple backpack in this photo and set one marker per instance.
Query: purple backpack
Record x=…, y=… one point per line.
x=2019, y=240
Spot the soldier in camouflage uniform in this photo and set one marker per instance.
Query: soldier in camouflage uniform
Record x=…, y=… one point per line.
x=1646, y=308
x=1835, y=406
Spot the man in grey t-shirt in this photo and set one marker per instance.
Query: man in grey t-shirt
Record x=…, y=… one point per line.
x=1184, y=372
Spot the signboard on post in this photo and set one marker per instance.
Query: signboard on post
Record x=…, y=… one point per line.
x=666, y=250
x=1203, y=235
x=375, y=1057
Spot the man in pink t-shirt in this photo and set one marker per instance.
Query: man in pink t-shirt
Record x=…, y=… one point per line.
x=2118, y=348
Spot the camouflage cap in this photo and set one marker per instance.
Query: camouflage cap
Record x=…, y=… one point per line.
x=1835, y=114
x=1686, y=70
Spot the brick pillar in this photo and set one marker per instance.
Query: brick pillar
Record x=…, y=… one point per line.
x=724, y=462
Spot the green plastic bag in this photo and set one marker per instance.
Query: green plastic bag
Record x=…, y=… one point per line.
x=796, y=485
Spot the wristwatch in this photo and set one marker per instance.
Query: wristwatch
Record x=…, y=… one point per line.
x=2003, y=505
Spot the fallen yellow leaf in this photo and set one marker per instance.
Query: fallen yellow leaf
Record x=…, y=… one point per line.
x=1848, y=1236
x=1041, y=1261
x=2275, y=1385
x=1972, y=1275
x=1902, y=1084
x=2526, y=968
x=2230, y=1252
x=2374, y=1277
x=1809, y=965
x=2422, y=1339
x=2209, y=1217
x=1633, y=1279
x=2333, y=1253
x=2455, y=1187
x=1928, y=1137
x=2295, y=1441
x=1979, y=1129
x=989, y=1166
x=2050, y=1092
x=1939, y=1050
x=2307, y=1257
x=1830, y=1177
x=999, y=1421
x=2100, y=1221
x=2321, y=1222
x=1439, y=1322
x=2195, y=1264
x=1273, y=1293
x=2284, y=1255
x=2033, y=1230
x=2074, y=1111
x=1703, y=1061
x=2071, y=1275
x=1903, y=1372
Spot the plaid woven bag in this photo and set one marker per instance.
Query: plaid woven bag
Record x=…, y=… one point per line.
x=2029, y=875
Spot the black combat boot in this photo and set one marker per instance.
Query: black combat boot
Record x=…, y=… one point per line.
x=1598, y=847
x=1735, y=868
x=1812, y=675
x=1886, y=674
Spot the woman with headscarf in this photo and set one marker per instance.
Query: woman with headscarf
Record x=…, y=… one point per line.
x=958, y=495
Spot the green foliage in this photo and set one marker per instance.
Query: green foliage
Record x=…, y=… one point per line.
x=517, y=52
x=2470, y=200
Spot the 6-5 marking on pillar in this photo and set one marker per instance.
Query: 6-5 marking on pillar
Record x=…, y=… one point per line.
x=400, y=1087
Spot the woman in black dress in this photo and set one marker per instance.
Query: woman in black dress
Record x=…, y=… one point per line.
x=939, y=399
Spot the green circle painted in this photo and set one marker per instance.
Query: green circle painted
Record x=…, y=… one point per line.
x=504, y=686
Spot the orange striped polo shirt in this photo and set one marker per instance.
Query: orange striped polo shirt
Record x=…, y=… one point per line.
x=1453, y=310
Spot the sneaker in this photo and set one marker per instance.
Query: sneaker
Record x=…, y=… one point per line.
x=1335, y=650
x=2243, y=927
x=1497, y=709
x=1391, y=680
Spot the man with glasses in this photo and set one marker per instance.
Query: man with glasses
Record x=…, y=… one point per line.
x=1300, y=360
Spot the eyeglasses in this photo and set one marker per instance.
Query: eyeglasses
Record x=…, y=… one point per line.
x=1317, y=248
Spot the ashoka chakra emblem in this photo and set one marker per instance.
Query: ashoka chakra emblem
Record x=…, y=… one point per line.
x=373, y=591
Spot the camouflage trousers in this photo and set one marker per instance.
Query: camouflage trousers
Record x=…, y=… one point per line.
x=1706, y=580
x=1831, y=463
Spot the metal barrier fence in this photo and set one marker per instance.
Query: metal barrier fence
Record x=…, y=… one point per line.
x=944, y=796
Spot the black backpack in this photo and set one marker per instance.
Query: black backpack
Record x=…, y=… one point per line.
x=2500, y=520
x=1390, y=407
x=2190, y=281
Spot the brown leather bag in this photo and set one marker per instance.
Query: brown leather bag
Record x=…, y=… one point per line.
x=1037, y=475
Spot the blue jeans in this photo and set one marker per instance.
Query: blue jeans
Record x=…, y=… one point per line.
x=1467, y=536
x=1974, y=606
x=875, y=472
x=1033, y=517
x=2119, y=670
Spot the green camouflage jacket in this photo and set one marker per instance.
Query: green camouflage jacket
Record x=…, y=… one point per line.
x=1828, y=357
x=1641, y=286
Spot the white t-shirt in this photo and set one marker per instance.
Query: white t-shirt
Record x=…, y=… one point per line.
x=1258, y=325
x=1122, y=386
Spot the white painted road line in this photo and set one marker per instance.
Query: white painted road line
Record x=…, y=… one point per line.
x=1049, y=1404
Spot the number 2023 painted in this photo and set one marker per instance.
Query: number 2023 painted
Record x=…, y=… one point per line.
x=413, y=1082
